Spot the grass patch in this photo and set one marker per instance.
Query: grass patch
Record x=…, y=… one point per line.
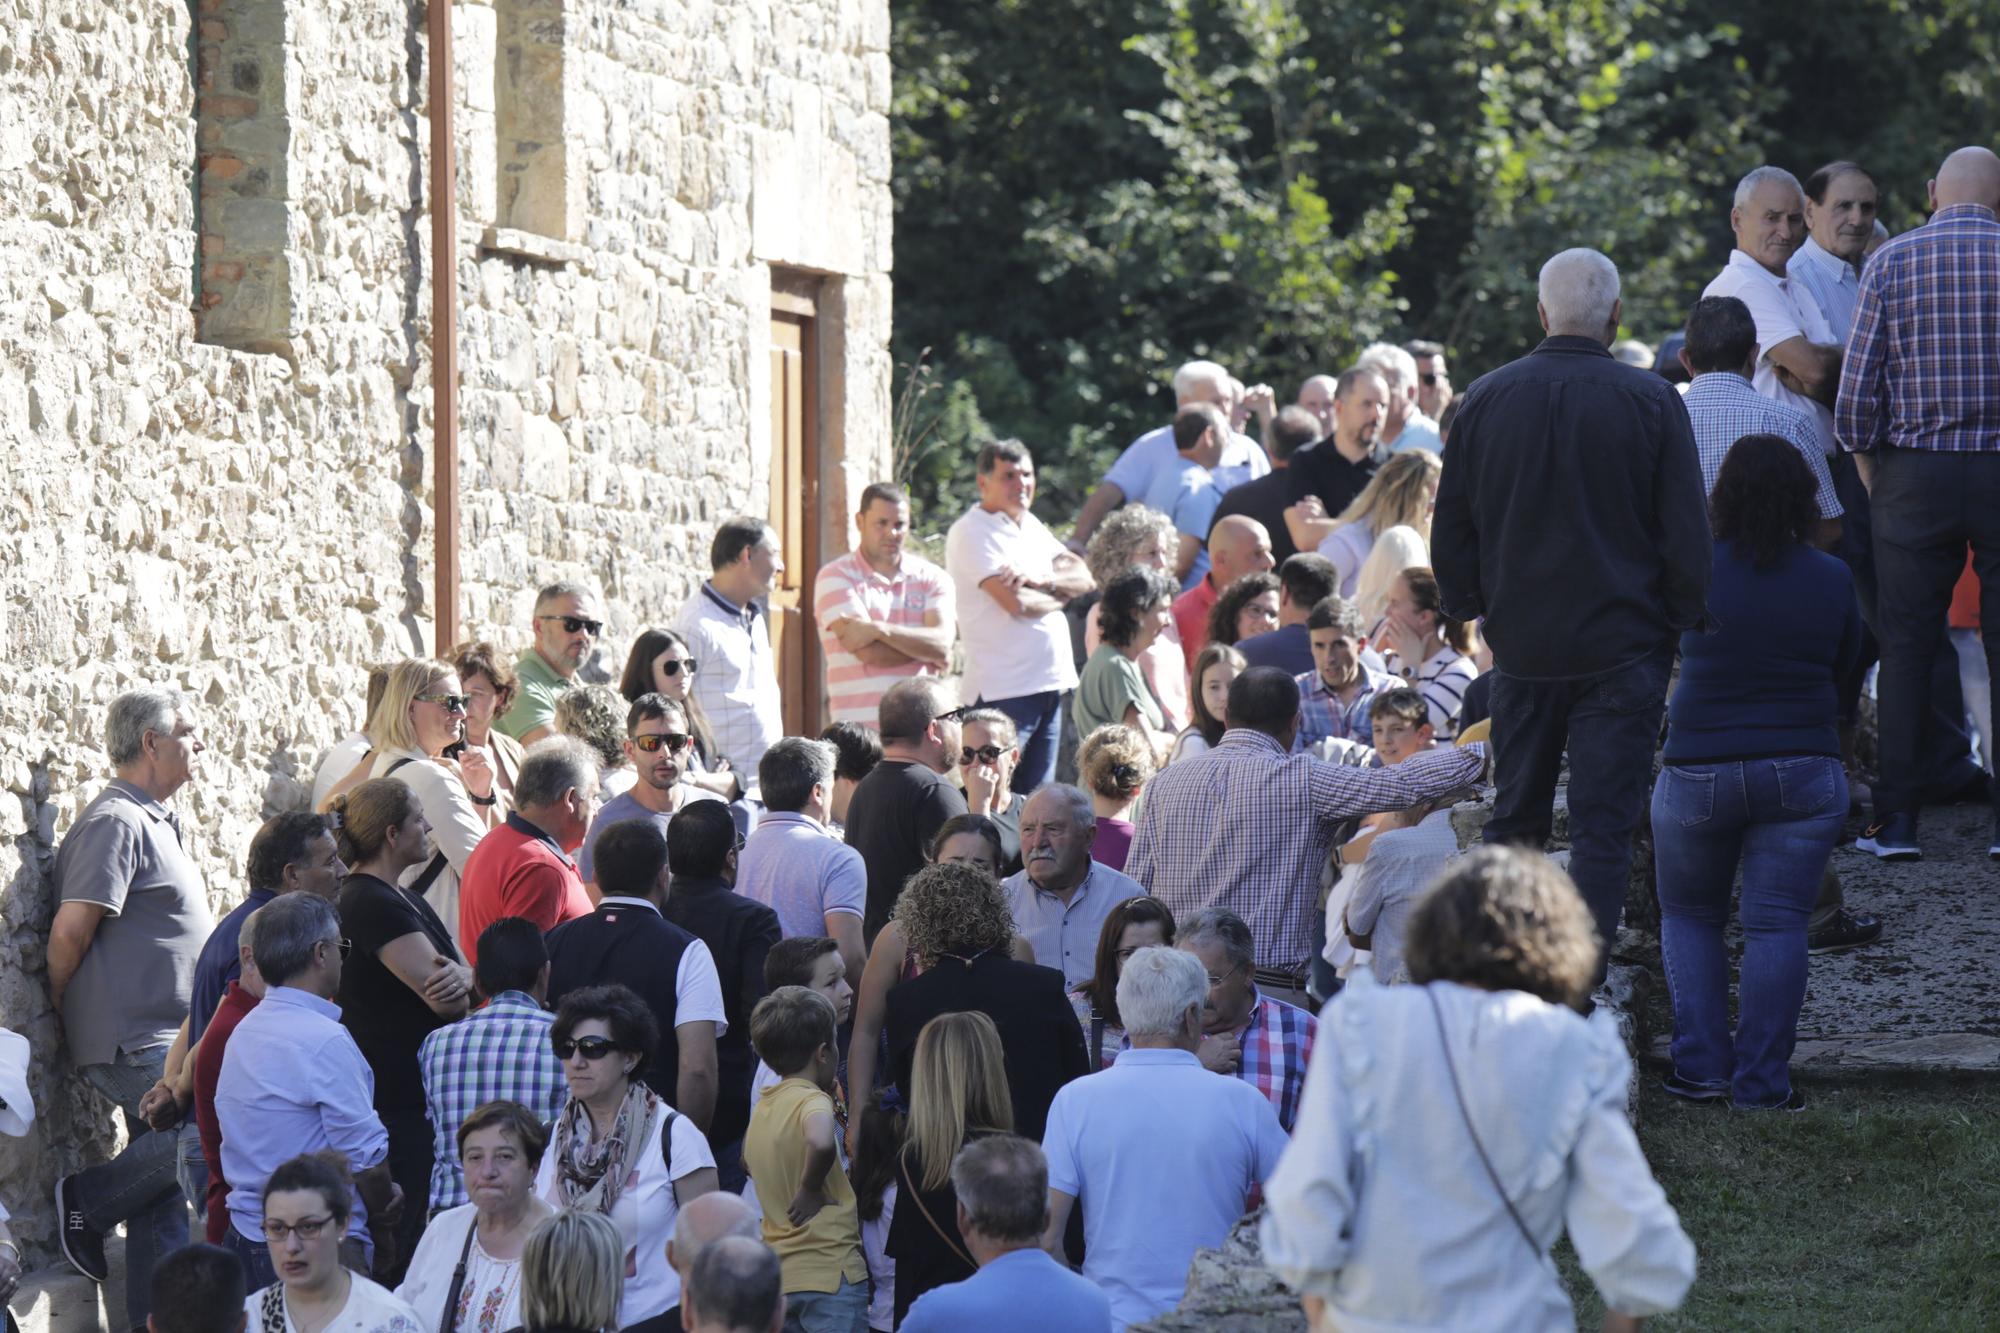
x=1874, y=1208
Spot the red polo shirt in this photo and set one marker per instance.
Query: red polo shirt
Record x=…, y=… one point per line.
x=236, y=1002
x=517, y=870
x=1191, y=610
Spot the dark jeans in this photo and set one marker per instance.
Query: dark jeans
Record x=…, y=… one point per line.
x=1609, y=724
x=1926, y=507
x=1038, y=724
x=412, y=1153
x=1779, y=819
x=140, y=1186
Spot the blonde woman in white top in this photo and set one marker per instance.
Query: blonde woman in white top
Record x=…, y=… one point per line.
x=1429, y=1178
x=1402, y=494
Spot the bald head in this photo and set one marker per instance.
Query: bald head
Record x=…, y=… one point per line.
x=702, y=1221
x=1237, y=545
x=1969, y=176
x=1316, y=396
x=1200, y=382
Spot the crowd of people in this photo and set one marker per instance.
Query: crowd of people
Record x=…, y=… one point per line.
x=1121, y=897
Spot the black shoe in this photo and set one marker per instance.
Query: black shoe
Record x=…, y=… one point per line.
x=1993, y=847
x=1689, y=1091
x=1974, y=785
x=1844, y=930
x=1795, y=1102
x=83, y=1247
x=1892, y=838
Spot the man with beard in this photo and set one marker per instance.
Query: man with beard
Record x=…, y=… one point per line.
x=566, y=625
x=659, y=744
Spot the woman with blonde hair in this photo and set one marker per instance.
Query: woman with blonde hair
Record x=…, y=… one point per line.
x=959, y=1094
x=417, y=734
x=572, y=1274
x=1383, y=531
x=1421, y=1150
x=1114, y=763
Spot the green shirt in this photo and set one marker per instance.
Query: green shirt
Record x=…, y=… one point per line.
x=535, y=701
x=1111, y=683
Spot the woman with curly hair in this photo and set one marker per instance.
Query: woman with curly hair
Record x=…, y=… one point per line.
x=1422, y=1149
x=1246, y=608
x=956, y=922
x=1136, y=537
x=1752, y=775
x=595, y=715
x=1114, y=763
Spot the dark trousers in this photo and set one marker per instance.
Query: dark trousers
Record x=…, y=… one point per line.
x=1038, y=725
x=1609, y=724
x=412, y=1153
x=1926, y=508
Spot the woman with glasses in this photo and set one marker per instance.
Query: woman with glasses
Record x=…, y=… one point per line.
x=617, y=1148
x=466, y=1274
x=1135, y=924
x=404, y=977
x=418, y=735
x=307, y=1202
x=661, y=663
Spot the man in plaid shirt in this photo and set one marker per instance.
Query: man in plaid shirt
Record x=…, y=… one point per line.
x=1247, y=825
x=1919, y=407
x=1265, y=1042
x=1334, y=696
x=498, y=1053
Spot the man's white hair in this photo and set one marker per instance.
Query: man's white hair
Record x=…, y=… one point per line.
x=1157, y=988
x=1196, y=376
x=1762, y=175
x=1578, y=289
x=1392, y=363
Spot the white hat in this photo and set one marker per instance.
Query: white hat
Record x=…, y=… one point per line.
x=17, y=1114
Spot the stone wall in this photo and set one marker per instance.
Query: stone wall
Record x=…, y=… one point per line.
x=254, y=525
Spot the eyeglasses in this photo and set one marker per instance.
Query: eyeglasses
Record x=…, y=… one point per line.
x=985, y=754
x=1214, y=980
x=452, y=703
x=306, y=1228
x=956, y=714
x=651, y=741
x=590, y=1048
x=673, y=668
x=1431, y=377
x=573, y=624
x=345, y=946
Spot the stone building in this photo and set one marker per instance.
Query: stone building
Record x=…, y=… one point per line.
x=216, y=355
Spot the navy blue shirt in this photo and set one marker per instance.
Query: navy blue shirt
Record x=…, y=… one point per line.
x=217, y=965
x=1762, y=684
x=1289, y=648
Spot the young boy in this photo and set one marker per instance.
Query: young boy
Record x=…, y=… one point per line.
x=791, y=1149
x=1335, y=697
x=1400, y=722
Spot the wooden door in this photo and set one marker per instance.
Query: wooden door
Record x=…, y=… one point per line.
x=795, y=503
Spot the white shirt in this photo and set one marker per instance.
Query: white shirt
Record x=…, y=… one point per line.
x=1783, y=310
x=1382, y=1207
x=336, y=764
x=1243, y=459
x=455, y=822
x=1161, y=1156
x=737, y=685
x=488, y=1280
x=1006, y=656
x=370, y=1308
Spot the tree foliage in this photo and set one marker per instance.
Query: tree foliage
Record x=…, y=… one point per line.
x=1089, y=192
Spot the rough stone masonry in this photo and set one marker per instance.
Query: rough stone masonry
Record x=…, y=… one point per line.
x=215, y=422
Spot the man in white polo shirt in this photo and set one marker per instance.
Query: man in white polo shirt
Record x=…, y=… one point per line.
x=1012, y=578
x=1798, y=360
x=727, y=627
x=884, y=615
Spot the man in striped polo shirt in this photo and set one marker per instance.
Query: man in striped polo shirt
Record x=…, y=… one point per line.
x=884, y=615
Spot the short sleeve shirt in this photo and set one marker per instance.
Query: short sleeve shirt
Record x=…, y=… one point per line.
x=1783, y=310
x=1006, y=656
x=535, y=700
x=818, y=1256
x=389, y=1021
x=850, y=588
x=1111, y=683
x=795, y=866
x=136, y=980
x=1187, y=493
x=620, y=808
x=1243, y=459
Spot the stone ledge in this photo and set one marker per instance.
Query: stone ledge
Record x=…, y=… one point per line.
x=59, y=1301
x=1230, y=1291
x=512, y=243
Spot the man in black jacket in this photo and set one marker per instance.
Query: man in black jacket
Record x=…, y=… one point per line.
x=739, y=931
x=1570, y=515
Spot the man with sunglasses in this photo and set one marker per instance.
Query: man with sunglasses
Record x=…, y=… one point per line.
x=661, y=747
x=1433, y=379
x=727, y=625
x=566, y=626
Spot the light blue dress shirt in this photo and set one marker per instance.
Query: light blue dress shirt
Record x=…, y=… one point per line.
x=1064, y=935
x=1832, y=282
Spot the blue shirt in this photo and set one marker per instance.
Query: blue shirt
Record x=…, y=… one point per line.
x=1064, y=935
x=1723, y=407
x=1187, y=493
x=1832, y=282
x=794, y=866
x=999, y=1294
x=219, y=964
x=499, y=1053
x=1134, y=472
x=293, y=1082
x=617, y=810
x=1288, y=648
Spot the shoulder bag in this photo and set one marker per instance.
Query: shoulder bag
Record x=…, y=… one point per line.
x=1458, y=1092
x=422, y=883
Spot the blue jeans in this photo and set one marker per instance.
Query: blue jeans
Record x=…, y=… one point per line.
x=140, y=1186
x=1038, y=731
x=843, y=1311
x=1778, y=818
x=1609, y=724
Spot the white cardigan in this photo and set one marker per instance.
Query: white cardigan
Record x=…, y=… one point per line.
x=454, y=819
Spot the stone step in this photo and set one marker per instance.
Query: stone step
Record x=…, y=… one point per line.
x=59, y=1301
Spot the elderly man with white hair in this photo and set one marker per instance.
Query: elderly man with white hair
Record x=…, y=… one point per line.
x=1571, y=516
x=1153, y=453
x=1155, y=1188
x=1406, y=426
x=1061, y=895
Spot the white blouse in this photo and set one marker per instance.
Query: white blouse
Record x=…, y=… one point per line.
x=370, y=1308
x=490, y=1300
x=1381, y=1206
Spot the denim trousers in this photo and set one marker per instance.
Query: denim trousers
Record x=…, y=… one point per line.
x=1778, y=819
x=843, y=1311
x=140, y=1186
x=1038, y=725
x=1609, y=724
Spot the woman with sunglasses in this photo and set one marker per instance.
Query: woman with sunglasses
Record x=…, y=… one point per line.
x=307, y=1202
x=417, y=735
x=617, y=1148
x=403, y=978
x=660, y=663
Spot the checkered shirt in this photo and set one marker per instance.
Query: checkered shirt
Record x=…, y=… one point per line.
x=499, y=1053
x=1277, y=1044
x=1322, y=715
x=1246, y=826
x=1723, y=408
x=1923, y=363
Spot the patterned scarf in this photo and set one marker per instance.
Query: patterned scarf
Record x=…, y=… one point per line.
x=591, y=1176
